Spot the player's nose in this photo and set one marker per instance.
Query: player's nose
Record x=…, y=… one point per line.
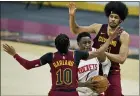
x=87, y=44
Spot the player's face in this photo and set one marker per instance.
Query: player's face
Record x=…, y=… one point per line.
x=114, y=20
x=85, y=43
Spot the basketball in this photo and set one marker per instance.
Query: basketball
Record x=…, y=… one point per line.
x=102, y=85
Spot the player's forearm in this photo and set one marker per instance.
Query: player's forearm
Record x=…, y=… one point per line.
x=115, y=57
x=73, y=24
x=99, y=51
x=27, y=64
x=102, y=57
x=104, y=47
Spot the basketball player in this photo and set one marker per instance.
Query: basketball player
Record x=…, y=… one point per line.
x=117, y=52
x=63, y=63
x=90, y=68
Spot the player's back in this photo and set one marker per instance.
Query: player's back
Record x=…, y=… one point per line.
x=64, y=71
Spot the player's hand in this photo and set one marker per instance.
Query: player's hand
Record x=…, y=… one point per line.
x=72, y=8
x=105, y=75
x=117, y=32
x=9, y=49
x=92, y=84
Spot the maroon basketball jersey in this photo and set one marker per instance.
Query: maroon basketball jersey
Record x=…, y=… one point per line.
x=64, y=71
x=114, y=46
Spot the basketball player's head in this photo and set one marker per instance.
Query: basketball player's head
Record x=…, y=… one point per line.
x=84, y=41
x=62, y=43
x=116, y=11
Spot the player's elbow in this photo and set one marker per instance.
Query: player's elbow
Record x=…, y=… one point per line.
x=74, y=31
x=27, y=67
x=122, y=60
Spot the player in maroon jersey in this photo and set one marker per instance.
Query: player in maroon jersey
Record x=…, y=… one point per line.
x=64, y=64
x=117, y=52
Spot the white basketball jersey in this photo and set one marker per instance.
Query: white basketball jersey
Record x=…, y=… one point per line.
x=88, y=68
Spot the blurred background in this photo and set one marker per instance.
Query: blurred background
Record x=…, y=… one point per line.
x=40, y=22
x=31, y=28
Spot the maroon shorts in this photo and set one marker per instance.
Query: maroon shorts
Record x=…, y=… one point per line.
x=115, y=81
x=63, y=93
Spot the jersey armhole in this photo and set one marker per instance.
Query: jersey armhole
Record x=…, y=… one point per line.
x=99, y=29
x=102, y=27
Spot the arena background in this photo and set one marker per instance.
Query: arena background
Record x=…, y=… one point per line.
x=32, y=32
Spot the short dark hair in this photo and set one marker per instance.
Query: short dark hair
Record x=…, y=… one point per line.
x=62, y=43
x=116, y=7
x=83, y=34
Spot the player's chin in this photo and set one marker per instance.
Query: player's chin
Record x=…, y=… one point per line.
x=113, y=25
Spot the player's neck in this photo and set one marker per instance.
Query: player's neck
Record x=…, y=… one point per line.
x=63, y=53
x=109, y=29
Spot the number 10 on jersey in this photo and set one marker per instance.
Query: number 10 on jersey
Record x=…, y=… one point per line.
x=64, y=77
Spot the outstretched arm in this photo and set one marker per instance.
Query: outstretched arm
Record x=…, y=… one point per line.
x=25, y=63
x=124, y=49
x=74, y=27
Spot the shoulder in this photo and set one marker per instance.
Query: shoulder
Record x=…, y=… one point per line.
x=47, y=55
x=96, y=27
x=46, y=58
x=125, y=34
x=80, y=52
x=124, y=37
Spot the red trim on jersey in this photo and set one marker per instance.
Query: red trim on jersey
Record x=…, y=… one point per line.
x=27, y=64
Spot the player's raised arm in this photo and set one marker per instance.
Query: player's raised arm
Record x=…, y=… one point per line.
x=75, y=28
x=124, y=49
x=25, y=63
